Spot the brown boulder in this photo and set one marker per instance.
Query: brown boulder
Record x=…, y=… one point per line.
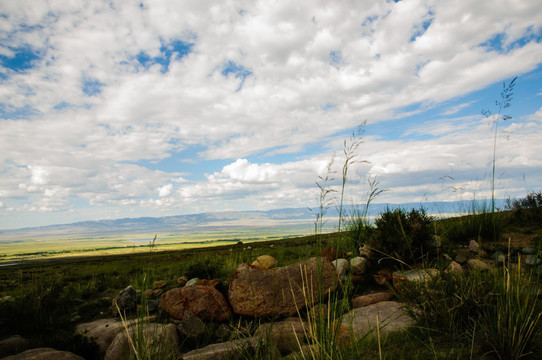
x=206, y=302
x=369, y=299
x=264, y=292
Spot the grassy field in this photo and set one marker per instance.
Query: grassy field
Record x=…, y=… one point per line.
x=475, y=315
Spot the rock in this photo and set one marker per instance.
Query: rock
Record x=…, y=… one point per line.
x=265, y=292
x=454, y=267
x=531, y=260
x=213, y=283
x=223, y=332
x=284, y=334
x=182, y=280
x=162, y=339
x=13, y=345
x=191, y=326
x=44, y=354
x=358, y=265
x=125, y=300
x=225, y=350
x=7, y=298
x=152, y=293
x=159, y=284
x=436, y=241
x=383, y=276
x=152, y=306
x=331, y=253
x=474, y=247
x=206, y=302
x=475, y=264
x=193, y=281
x=528, y=251
x=265, y=262
x=499, y=257
x=391, y=317
x=364, y=300
x=101, y=331
x=342, y=266
x=462, y=256
x=366, y=251
x=416, y=275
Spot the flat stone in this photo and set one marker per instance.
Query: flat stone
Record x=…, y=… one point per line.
x=13, y=345
x=416, y=275
x=475, y=264
x=285, y=335
x=44, y=354
x=391, y=317
x=163, y=338
x=364, y=300
x=223, y=350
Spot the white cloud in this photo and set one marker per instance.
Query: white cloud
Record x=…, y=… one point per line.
x=306, y=71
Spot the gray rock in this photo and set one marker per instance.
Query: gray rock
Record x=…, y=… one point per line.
x=44, y=354
x=416, y=275
x=281, y=291
x=191, y=326
x=531, y=260
x=462, y=256
x=13, y=345
x=342, y=266
x=475, y=264
x=499, y=257
x=126, y=299
x=162, y=339
x=101, y=331
x=284, y=334
x=454, y=267
x=390, y=315
x=473, y=246
x=528, y=251
x=358, y=265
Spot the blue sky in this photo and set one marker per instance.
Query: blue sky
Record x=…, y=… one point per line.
x=112, y=109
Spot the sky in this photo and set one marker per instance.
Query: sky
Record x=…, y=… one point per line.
x=114, y=109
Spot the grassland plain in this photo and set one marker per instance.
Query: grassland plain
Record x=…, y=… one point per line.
x=48, y=292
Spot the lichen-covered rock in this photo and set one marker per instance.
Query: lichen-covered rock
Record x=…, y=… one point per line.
x=265, y=262
x=206, y=302
x=264, y=292
x=125, y=300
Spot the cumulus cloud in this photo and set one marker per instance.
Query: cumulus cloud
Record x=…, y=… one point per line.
x=96, y=96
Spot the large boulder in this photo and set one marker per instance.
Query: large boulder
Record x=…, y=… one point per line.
x=13, y=345
x=101, y=331
x=286, y=335
x=206, y=302
x=44, y=354
x=264, y=292
x=387, y=316
x=162, y=339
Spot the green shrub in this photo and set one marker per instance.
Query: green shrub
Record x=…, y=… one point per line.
x=401, y=235
x=528, y=209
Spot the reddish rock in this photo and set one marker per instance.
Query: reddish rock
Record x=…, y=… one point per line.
x=383, y=276
x=206, y=302
x=332, y=254
x=264, y=292
x=212, y=283
x=369, y=299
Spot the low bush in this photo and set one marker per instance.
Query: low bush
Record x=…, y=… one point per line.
x=402, y=235
x=528, y=209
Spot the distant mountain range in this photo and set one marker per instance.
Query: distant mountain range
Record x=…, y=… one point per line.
x=224, y=219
